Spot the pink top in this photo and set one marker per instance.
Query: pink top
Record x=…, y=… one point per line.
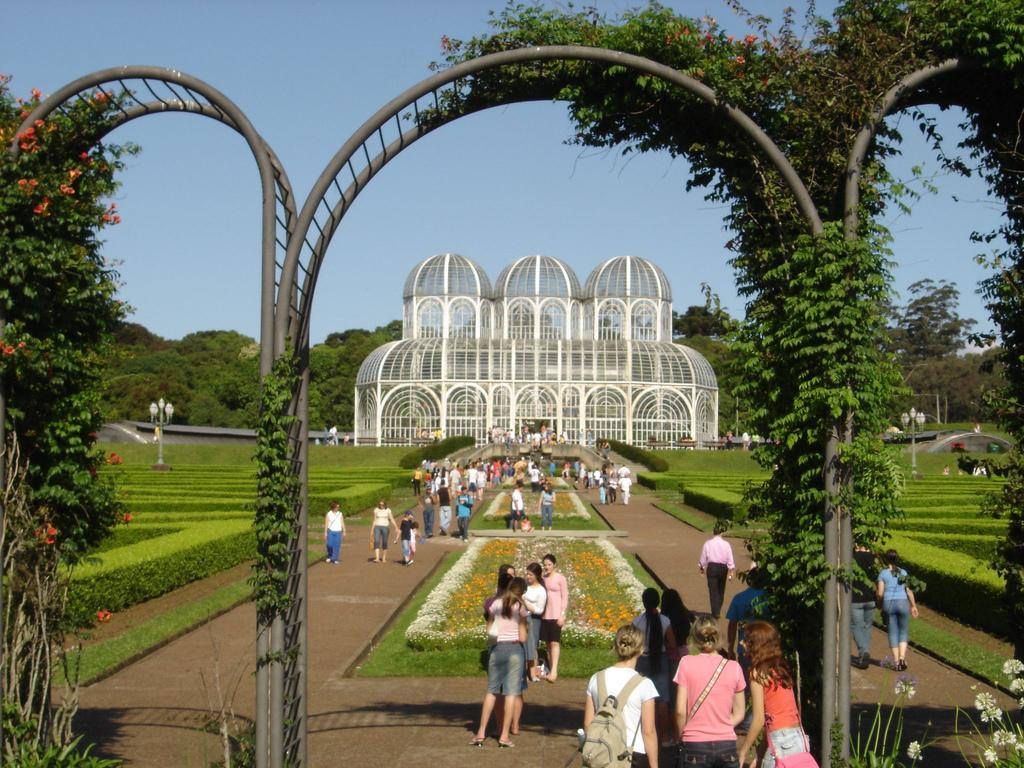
x=716, y=550
x=713, y=721
x=508, y=628
x=558, y=596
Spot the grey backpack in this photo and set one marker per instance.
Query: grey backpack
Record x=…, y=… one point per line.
x=606, y=743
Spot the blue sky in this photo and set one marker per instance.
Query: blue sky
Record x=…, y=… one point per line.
x=493, y=187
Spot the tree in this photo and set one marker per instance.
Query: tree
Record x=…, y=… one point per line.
x=57, y=298
x=700, y=320
x=929, y=325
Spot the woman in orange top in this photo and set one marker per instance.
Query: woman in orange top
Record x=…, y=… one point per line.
x=771, y=697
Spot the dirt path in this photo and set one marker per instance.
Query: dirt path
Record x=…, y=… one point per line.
x=152, y=712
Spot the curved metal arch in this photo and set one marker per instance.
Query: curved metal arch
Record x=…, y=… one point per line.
x=277, y=690
x=295, y=323
x=894, y=99
x=203, y=99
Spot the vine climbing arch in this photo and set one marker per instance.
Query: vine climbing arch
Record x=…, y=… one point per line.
x=294, y=246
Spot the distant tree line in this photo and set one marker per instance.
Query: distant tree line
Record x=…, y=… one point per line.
x=212, y=377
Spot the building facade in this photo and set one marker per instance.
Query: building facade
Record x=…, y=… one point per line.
x=536, y=350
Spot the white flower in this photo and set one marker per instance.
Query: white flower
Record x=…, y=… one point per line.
x=990, y=756
x=1013, y=667
x=906, y=686
x=1002, y=738
x=1017, y=685
x=914, y=750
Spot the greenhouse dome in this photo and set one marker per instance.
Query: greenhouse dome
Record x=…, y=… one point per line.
x=537, y=351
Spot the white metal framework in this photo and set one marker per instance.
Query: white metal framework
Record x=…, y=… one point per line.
x=536, y=350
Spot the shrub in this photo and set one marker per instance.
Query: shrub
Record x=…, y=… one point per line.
x=129, y=575
x=353, y=499
x=659, y=481
x=436, y=451
x=958, y=585
x=650, y=460
x=721, y=503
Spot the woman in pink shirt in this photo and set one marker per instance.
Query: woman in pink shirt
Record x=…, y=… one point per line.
x=554, y=613
x=506, y=664
x=707, y=726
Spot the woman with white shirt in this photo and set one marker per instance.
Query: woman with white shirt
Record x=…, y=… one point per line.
x=638, y=712
x=536, y=599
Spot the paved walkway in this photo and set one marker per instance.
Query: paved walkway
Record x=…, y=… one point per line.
x=152, y=712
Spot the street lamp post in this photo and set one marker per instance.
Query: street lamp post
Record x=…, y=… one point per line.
x=160, y=415
x=915, y=420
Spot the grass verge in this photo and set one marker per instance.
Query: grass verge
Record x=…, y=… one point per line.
x=981, y=663
x=392, y=657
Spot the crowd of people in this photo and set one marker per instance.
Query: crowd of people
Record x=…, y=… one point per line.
x=677, y=684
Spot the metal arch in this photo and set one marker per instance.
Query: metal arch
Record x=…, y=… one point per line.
x=895, y=98
x=838, y=539
x=293, y=325
x=276, y=190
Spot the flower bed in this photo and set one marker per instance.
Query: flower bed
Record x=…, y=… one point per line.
x=604, y=593
x=566, y=505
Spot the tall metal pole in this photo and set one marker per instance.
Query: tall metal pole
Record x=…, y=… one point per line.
x=830, y=625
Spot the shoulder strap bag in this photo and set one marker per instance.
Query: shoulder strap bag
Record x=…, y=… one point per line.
x=707, y=690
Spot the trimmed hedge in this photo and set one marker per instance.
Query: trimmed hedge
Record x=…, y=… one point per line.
x=977, y=545
x=721, y=503
x=133, y=534
x=353, y=499
x=651, y=461
x=133, y=574
x=956, y=525
x=659, y=481
x=959, y=586
x=436, y=451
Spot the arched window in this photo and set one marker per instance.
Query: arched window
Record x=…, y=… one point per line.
x=661, y=415
x=644, y=322
x=606, y=414
x=409, y=413
x=466, y=413
x=609, y=321
x=430, y=316
x=552, y=321
x=520, y=320
x=462, y=320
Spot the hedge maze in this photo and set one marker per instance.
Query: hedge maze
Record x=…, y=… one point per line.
x=195, y=521
x=944, y=539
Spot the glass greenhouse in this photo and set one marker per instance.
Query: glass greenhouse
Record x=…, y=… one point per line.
x=536, y=350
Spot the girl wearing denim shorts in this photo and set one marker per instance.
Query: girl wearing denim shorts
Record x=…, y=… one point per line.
x=898, y=604
x=771, y=697
x=506, y=663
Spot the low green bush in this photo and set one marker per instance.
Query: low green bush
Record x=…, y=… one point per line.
x=959, y=586
x=955, y=525
x=633, y=453
x=353, y=499
x=659, y=481
x=125, y=536
x=977, y=545
x=434, y=451
x=128, y=575
x=721, y=503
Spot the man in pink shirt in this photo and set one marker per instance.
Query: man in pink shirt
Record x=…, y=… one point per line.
x=554, y=613
x=716, y=561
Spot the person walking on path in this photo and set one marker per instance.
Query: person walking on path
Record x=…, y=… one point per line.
x=536, y=599
x=547, y=507
x=334, y=529
x=417, y=480
x=772, y=699
x=428, y=515
x=382, y=518
x=898, y=604
x=659, y=644
x=625, y=483
x=554, y=613
x=638, y=709
x=444, y=501
x=716, y=562
x=405, y=534
x=862, y=605
x=709, y=702
x=506, y=663
x=745, y=606
x=463, y=509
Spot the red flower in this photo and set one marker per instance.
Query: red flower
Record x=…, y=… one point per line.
x=36, y=93
x=103, y=615
x=39, y=123
x=42, y=207
x=750, y=39
x=741, y=60
x=84, y=156
x=127, y=517
x=8, y=350
x=21, y=345
x=66, y=189
x=99, y=97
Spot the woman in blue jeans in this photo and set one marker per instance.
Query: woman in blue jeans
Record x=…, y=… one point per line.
x=898, y=604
